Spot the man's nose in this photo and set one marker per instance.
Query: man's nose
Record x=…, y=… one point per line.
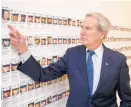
x=82, y=31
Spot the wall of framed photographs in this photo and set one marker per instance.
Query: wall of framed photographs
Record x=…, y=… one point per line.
x=47, y=38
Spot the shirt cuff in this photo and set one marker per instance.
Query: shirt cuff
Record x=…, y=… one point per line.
x=25, y=56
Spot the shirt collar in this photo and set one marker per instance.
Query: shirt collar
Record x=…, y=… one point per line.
x=98, y=51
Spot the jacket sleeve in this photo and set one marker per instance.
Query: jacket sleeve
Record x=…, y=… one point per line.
x=124, y=89
x=39, y=74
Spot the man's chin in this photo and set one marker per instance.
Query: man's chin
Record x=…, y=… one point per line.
x=84, y=43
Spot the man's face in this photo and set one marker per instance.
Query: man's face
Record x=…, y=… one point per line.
x=65, y=22
x=30, y=19
x=6, y=15
x=55, y=60
x=37, y=105
x=43, y=20
x=89, y=33
x=31, y=105
x=37, y=85
x=59, y=21
x=22, y=18
x=23, y=89
x=37, y=20
x=43, y=61
x=15, y=17
x=30, y=87
x=30, y=40
x=77, y=23
x=49, y=40
x=15, y=92
x=6, y=94
x=43, y=41
x=6, y=69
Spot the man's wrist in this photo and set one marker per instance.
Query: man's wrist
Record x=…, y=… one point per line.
x=23, y=51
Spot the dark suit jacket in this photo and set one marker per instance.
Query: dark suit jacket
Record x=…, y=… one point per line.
x=114, y=76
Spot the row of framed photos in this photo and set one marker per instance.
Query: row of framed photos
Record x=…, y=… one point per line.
x=9, y=15
x=42, y=60
x=43, y=41
x=23, y=87
x=49, y=40
x=19, y=16
x=41, y=102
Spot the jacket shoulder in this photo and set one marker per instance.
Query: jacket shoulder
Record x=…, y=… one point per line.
x=117, y=54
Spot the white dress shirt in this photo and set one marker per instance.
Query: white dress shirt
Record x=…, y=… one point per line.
x=97, y=63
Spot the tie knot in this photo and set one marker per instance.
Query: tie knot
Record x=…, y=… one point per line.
x=91, y=52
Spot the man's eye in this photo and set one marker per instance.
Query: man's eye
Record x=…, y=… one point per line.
x=87, y=28
x=81, y=26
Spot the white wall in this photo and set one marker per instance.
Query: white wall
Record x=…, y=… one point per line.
x=117, y=11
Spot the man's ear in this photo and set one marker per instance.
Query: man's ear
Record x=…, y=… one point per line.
x=103, y=35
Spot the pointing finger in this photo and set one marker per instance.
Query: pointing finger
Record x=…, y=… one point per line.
x=12, y=29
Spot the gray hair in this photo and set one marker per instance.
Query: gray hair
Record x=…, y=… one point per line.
x=103, y=24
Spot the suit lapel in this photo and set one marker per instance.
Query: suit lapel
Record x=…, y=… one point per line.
x=81, y=65
x=107, y=63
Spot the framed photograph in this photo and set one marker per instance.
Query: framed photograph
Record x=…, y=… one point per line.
x=54, y=59
x=69, y=40
x=30, y=86
x=30, y=40
x=49, y=20
x=64, y=41
x=49, y=40
x=31, y=104
x=54, y=98
x=77, y=23
x=43, y=41
x=73, y=40
x=69, y=21
x=37, y=18
x=14, y=66
x=59, y=40
x=48, y=61
x=43, y=61
x=30, y=17
x=65, y=20
x=55, y=40
x=14, y=16
x=43, y=103
x=5, y=68
x=60, y=21
x=37, y=85
x=73, y=23
x=49, y=100
x=15, y=91
x=5, y=42
x=81, y=23
x=6, y=92
x=43, y=19
x=37, y=40
x=22, y=17
x=23, y=88
x=5, y=14
x=55, y=20
x=37, y=104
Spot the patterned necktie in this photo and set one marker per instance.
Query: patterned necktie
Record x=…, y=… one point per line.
x=90, y=70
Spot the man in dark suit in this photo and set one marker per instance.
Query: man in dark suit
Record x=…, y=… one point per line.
x=95, y=72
